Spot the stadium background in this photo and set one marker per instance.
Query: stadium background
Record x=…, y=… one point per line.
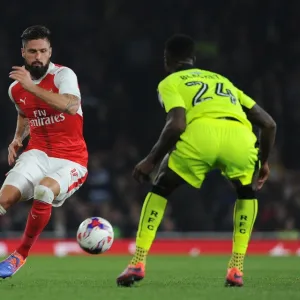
x=116, y=50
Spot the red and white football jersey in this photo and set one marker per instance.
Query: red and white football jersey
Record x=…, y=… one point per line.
x=56, y=133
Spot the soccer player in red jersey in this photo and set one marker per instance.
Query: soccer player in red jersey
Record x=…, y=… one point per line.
x=54, y=164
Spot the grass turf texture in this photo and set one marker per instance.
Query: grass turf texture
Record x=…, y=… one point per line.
x=167, y=278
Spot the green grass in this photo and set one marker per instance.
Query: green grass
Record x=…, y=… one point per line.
x=181, y=278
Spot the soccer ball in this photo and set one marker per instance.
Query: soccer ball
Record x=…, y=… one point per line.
x=95, y=235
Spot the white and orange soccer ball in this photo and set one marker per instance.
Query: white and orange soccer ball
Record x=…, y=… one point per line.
x=95, y=235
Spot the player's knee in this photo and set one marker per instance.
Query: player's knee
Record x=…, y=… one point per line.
x=165, y=184
x=161, y=191
x=44, y=194
x=245, y=192
x=162, y=186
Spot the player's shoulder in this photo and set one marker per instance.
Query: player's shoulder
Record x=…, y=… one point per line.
x=187, y=74
x=13, y=89
x=172, y=79
x=177, y=78
x=61, y=74
x=14, y=85
x=208, y=74
x=56, y=69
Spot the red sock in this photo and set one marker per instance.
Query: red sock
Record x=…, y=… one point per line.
x=38, y=218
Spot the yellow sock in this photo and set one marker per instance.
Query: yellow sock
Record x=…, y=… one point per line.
x=151, y=216
x=244, y=215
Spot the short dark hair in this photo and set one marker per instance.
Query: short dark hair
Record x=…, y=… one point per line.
x=36, y=32
x=180, y=46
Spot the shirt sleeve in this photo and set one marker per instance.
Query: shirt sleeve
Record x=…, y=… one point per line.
x=19, y=110
x=10, y=93
x=169, y=97
x=245, y=100
x=66, y=82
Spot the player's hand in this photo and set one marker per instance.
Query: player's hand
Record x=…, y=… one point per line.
x=143, y=170
x=23, y=76
x=13, y=148
x=263, y=175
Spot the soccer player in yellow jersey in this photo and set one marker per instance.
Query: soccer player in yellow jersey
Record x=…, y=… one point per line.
x=208, y=125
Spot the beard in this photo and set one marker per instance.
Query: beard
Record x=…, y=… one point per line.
x=37, y=69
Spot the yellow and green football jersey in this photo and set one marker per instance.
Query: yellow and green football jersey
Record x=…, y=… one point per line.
x=204, y=94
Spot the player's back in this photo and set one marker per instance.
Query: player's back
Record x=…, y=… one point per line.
x=205, y=94
x=218, y=133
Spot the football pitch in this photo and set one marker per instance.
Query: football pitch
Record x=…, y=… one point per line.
x=167, y=278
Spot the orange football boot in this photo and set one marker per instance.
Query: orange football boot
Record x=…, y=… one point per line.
x=234, y=278
x=131, y=274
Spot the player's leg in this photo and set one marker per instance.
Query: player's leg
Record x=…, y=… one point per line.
x=61, y=182
x=174, y=171
x=39, y=214
x=9, y=195
x=19, y=181
x=153, y=209
x=244, y=216
x=151, y=216
x=38, y=218
x=188, y=163
x=19, y=185
x=240, y=160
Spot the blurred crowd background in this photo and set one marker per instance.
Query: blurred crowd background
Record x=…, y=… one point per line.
x=116, y=49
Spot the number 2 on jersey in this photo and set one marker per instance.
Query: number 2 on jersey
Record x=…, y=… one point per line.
x=199, y=97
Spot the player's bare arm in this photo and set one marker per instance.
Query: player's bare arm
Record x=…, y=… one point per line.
x=258, y=116
x=73, y=104
x=23, y=128
x=174, y=127
x=63, y=102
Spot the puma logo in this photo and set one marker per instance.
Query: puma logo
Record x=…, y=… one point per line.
x=23, y=100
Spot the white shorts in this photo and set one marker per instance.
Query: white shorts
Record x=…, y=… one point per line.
x=33, y=165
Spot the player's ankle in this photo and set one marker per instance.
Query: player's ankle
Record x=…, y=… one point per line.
x=23, y=251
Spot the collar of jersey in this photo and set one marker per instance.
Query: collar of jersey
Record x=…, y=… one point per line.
x=184, y=67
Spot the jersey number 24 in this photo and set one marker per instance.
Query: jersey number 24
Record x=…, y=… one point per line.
x=200, y=97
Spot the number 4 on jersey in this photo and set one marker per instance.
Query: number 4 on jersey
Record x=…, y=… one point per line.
x=219, y=91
